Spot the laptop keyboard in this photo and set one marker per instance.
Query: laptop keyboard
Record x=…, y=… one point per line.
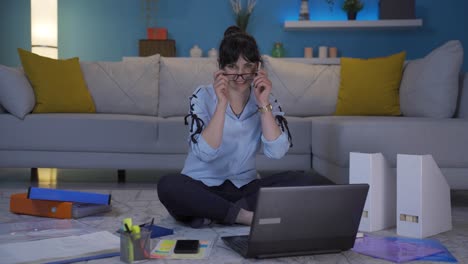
x=238, y=243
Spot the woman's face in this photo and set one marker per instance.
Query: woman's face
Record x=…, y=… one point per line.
x=240, y=74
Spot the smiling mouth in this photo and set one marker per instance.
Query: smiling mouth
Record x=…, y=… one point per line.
x=240, y=82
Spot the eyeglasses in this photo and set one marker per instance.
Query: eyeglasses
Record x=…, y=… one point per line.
x=244, y=76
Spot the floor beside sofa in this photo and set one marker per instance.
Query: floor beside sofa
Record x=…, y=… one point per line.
x=138, y=199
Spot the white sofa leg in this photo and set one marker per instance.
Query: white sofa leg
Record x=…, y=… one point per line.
x=380, y=207
x=423, y=197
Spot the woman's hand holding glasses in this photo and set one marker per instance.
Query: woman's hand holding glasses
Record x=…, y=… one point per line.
x=221, y=87
x=262, y=88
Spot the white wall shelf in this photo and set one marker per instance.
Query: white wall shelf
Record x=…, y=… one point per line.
x=325, y=61
x=353, y=24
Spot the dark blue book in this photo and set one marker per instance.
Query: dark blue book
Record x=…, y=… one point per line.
x=36, y=193
x=159, y=231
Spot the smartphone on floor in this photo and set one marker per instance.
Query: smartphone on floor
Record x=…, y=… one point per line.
x=187, y=246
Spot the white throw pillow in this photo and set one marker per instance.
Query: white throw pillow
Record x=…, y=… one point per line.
x=124, y=87
x=16, y=93
x=304, y=89
x=179, y=78
x=429, y=87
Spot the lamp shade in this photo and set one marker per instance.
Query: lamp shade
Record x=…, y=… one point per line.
x=44, y=36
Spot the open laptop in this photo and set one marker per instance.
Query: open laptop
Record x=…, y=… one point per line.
x=291, y=221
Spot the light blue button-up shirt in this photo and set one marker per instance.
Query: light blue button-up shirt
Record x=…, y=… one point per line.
x=234, y=159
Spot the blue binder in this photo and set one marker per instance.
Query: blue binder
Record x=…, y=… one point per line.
x=37, y=193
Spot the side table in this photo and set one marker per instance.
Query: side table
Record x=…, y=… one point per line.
x=165, y=48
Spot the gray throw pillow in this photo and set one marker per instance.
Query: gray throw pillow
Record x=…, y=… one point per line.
x=16, y=93
x=124, y=87
x=179, y=79
x=303, y=89
x=429, y=87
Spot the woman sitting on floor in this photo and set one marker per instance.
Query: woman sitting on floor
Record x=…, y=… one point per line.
x=229, y=121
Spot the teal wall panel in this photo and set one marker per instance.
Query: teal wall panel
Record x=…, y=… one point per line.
x=110, y=29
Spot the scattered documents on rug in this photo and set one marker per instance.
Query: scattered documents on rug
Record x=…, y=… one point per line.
x=402, y=249
x=61, y=248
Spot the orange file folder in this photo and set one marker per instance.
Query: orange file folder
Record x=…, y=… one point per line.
x=20, y=204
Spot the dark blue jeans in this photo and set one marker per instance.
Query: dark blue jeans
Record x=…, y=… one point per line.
x=186, y=198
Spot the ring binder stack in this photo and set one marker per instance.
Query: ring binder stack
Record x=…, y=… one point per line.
x=61, y=204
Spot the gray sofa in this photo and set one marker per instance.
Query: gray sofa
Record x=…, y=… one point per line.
x=139, y=122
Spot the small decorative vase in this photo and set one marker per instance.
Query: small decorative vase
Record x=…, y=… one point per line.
x=195, y=51
x=304, y=11
x=308, y=52
x=352, y=15
x=278, y=50
x=333, y=52
x=323, y=52
x=213, y=53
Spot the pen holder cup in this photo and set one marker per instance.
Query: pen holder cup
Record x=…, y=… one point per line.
x=135, y=247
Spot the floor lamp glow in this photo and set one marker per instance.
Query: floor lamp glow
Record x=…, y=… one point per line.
x=44, y=28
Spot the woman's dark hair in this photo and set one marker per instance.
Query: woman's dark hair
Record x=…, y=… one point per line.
x=237, y=43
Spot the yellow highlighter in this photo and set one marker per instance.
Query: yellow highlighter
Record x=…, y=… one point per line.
x=127, y=224
x=136, y=232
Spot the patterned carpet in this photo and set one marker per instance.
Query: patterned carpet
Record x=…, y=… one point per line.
x=139, y=200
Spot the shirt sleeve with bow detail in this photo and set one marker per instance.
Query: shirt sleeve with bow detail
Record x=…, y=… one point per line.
x=277, y=148
x=197, y=120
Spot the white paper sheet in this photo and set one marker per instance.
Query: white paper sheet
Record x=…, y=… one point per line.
x=55, y=249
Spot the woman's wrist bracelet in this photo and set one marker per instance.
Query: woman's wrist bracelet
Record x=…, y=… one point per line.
x=266, y=108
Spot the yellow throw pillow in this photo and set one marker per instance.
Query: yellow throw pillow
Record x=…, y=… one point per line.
x=370, y=86
x=58, y=85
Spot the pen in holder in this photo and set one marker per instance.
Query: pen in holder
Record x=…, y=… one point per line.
x=135, y=245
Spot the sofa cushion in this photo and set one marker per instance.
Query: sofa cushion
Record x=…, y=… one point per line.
x=59, y=86
x=463, y=97
x=124, y=87
x=370, y=86
x=80, y=133
x=172, y=135
x=16, y=94
x=333, y=138
x=304, y=89
x=429, y=87
x=179, y=79
x=300, y=133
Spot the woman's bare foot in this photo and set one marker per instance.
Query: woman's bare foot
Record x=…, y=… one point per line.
x=244, y=217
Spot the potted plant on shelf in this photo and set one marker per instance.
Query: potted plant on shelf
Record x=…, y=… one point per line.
x=331, y=4
x=242, y=15
x=352, y=7
x=149, y=12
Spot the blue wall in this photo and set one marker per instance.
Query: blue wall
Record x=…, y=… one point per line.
x=110, y=29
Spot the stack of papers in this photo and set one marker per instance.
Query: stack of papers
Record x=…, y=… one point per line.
x=61, y=248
